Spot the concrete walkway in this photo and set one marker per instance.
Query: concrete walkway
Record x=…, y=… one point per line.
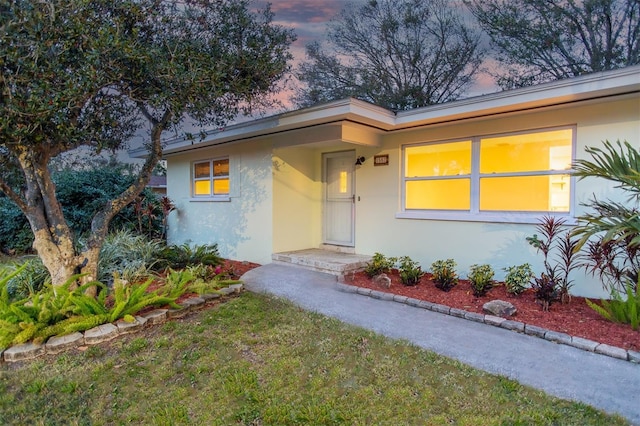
x=606, y=383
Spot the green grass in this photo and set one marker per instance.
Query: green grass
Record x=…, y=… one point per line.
x=256, y=360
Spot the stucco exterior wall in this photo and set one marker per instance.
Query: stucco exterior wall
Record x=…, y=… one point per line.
x=297, y=198
x=241, y=226
x=499, y=244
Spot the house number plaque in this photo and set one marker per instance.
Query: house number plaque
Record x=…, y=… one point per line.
x=381, y=160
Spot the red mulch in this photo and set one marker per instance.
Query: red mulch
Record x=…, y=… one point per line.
x=575, y=318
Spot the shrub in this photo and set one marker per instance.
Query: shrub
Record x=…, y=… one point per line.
x=181, y=256
x=379, y=264
x=410, y=271
x=545, y=290
x=127, y=254
x=444, y=274
x=31, y=277
x=611, y=231
x=517, y=278
x=625, y=311
x=556, y=240
x=82, y=190
x=481, y=277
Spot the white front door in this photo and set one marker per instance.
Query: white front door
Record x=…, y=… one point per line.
x=339, y=198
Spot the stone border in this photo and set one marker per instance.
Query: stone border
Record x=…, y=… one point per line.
x=520, y=327
x=109, y=331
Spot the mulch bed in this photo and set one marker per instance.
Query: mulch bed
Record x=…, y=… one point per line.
x=575, y=318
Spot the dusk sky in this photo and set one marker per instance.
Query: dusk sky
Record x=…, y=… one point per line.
x=309, y=19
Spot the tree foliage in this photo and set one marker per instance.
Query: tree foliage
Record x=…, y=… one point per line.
x=399, y=54
x=92, y=73
x=542, y=40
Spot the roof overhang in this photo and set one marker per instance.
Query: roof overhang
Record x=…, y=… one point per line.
x=358, y=122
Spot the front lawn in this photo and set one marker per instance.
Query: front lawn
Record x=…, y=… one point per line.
x=259, y=360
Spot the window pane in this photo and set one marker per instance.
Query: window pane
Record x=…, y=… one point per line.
x=201, y=170
x=221, y=167
x=526, y=193
x=444, y=159
x=528, y=152
x=202, y=187
x=449, y=194
x=220, y=186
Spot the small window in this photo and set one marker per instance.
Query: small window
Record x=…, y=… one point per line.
x=211, y=178
x=521, y=173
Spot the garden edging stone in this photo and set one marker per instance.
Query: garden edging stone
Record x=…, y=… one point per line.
x=531, y=330
x=105, y=332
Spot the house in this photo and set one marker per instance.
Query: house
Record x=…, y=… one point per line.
x=158, y=184
x=467, y=180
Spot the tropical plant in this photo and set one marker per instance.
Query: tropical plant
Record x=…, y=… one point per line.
x=481, y=278
x=444, y=274
x=556, y=240
x=32, y=276
x=130, y=255
x=545, y=288
x=612, y=231
x=181, y=256
x=617, y=309
x=379, y=264
x=517, y=278
x=410, y=271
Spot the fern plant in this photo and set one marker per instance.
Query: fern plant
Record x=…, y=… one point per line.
x=625, y=311
x=444, y=274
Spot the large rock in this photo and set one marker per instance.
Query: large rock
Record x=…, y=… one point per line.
x=499, y=308
x=382, y=280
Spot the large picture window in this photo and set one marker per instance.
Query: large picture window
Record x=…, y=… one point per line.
x=211, y=178
x=521, y=173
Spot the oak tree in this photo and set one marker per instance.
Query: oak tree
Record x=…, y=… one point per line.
x=92, y=73
x=399, y=54
x=543, y=40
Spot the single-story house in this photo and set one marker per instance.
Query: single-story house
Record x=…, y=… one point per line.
x=467, y=180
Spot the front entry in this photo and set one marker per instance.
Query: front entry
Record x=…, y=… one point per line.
x=339, y=198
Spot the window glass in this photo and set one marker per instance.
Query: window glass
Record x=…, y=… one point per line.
x=446, y=194
x=220, y=186
x=441, y=159
x=207, y=184
x=550, y=193
x=526, y=152
x=202, y=187
x=201, y=170
x=523, y=172
x=221, y=167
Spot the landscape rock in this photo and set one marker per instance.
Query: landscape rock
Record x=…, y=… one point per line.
x=57, y=344
x=23, y=351
x=382, y=280
x=499, y=308
x=100, y=334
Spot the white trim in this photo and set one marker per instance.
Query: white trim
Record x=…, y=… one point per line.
x=211, y=179
x=492, y=217
x=474, y=213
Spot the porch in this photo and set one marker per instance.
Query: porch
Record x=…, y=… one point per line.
x=334, y=262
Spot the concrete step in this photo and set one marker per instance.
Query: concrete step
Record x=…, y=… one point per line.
x=326, y=261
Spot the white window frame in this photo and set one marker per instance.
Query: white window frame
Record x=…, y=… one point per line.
x=211, y=178
x=474, y=214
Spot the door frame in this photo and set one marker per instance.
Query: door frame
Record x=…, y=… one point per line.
x=351, y=155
